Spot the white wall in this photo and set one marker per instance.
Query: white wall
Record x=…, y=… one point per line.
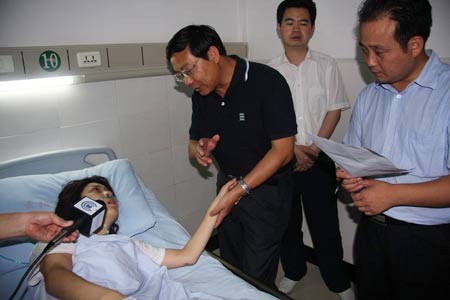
x=146, y=119
x=55, y=22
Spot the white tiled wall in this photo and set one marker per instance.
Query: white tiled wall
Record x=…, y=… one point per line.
x=18, y=115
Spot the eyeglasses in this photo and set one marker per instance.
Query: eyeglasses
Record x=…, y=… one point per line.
x=182, y=75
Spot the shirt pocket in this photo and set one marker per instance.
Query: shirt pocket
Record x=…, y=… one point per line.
x=426, y=154
x=316, y=99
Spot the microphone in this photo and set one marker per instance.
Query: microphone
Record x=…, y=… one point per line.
x=88, y=219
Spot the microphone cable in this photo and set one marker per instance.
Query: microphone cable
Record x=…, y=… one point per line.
x=52, y=244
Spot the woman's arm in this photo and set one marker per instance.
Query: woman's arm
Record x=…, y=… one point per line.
x=189, y=255
x=62, y=283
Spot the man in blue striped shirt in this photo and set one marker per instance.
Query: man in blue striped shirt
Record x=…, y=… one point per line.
x=402, y=247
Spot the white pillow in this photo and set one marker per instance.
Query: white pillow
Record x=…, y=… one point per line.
x=40, y=192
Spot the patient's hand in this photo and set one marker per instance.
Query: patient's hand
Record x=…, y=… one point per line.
x=227, y=198
x=227, y=187
x=190, y=253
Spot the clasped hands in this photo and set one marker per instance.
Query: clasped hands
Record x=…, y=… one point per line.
x=306, y=157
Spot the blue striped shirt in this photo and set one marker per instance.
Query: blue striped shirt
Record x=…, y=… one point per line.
x=412, y=129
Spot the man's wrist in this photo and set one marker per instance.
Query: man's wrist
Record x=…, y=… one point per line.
x=394, y=192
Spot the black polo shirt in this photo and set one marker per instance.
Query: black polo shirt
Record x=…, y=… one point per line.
x=257, y=108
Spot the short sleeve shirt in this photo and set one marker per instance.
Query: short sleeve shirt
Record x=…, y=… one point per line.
x=317, y=88
x=256, y=109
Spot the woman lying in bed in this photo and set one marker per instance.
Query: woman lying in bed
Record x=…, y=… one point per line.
x=112, y=266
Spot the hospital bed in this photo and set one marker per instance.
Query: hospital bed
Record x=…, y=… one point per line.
x=33, y=183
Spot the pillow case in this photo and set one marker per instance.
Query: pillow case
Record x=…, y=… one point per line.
x=40, y=192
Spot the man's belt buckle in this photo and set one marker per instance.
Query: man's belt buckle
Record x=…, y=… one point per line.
x=379, y=218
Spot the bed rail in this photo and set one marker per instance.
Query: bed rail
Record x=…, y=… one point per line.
x=56, y=161
x=256, y=283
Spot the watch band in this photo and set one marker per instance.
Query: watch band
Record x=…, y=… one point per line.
x=244, y=186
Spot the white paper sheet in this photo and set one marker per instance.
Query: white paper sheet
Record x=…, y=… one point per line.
x=357, y=161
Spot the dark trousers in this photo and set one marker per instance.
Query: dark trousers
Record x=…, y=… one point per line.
x=315, y=191
x=402, y=262
x=250, y=236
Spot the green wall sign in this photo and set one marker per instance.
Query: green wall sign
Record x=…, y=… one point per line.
x=49, y=61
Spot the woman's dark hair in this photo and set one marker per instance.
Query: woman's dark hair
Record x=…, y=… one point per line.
x=198, y=38
x=413, y=17
x=308, y=4
x=71, y=194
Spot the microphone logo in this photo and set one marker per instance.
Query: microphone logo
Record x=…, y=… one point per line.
x=89, y=205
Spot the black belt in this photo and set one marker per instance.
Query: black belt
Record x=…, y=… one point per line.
x=382, y=219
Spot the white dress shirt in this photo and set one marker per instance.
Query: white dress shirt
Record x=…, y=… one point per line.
x=316, y=87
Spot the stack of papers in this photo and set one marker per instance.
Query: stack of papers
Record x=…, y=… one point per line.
x=357, y=161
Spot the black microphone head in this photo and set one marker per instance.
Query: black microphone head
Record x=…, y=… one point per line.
x=90, y=215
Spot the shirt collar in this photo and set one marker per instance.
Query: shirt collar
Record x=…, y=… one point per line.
x=427, y=76
x=238, y=74
x=285, y=60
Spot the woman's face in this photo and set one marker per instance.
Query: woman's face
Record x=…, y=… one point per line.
x=97, y=191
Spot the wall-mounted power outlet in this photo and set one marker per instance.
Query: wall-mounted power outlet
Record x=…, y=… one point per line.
x=89, y=59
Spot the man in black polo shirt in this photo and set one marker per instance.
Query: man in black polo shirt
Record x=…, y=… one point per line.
x=243, y=116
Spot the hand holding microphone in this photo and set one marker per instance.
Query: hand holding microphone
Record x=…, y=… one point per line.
x=88, y=220
x=37, y=225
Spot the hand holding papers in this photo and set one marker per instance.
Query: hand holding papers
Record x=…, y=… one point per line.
x=357, y=161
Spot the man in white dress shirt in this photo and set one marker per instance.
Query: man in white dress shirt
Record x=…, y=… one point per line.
x=319, y=96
